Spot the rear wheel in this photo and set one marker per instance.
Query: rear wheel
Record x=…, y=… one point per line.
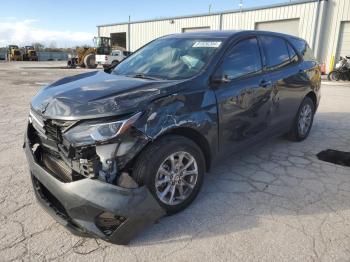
x=303, y=120
x=172, y=168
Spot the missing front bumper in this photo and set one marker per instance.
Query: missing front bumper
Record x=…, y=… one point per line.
x=84, y=205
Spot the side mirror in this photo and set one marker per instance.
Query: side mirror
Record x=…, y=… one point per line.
x=110, y=68
x=220, y=79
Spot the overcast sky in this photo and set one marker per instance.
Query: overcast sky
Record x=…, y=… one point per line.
x=68, y=23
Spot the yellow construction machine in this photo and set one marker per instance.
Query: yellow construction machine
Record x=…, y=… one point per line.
x=30, y=54
x=85, y=56
x=13, y=53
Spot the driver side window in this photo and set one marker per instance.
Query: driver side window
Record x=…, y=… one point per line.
x=242, y=60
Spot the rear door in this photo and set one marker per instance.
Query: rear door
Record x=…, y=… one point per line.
x=244, y=97
x=288, y=80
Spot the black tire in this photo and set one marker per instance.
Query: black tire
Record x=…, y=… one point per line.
x=109, y=68
x=334, y=75
x=81, y=64
x=149, y=161
x=90, y=61
x=71, y=63
x=114, y=63
x=295, y=133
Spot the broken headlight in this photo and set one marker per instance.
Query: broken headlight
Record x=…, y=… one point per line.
x=90, y=132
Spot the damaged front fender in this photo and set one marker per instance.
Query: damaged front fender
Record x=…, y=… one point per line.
x=195, y=112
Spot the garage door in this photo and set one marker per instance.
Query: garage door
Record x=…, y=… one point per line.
x=195, y=29
x=118, y=40
x=344, y=40
x=290, y=26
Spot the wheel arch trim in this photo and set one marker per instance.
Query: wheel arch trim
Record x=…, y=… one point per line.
x=313, y=97
x=196, y=137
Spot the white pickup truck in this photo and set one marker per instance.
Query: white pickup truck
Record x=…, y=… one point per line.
x=113, y=59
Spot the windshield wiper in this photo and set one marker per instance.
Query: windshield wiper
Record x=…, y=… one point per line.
x=143, y=76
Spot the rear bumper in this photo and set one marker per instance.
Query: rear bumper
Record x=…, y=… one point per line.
x=78, y=205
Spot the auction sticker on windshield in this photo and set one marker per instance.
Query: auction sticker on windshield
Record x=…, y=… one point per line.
x=212, y=44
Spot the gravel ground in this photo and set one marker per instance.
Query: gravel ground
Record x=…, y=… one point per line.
x=273, y=202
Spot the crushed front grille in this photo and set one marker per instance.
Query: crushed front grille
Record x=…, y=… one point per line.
x=55, y=128
x=49, y=128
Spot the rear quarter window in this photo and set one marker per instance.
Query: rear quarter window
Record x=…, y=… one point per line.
x=303, y=49
x=309, y=54
x=292, y=54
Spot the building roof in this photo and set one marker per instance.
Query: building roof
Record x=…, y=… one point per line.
x=296, y=2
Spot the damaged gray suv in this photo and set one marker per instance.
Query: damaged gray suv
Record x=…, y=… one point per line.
x=111, y=153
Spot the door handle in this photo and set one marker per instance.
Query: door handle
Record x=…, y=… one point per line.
x=265, y=83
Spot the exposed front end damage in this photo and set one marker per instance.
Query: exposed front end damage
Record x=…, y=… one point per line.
x=88, y=188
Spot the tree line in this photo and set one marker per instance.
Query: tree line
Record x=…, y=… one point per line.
x=40, y=47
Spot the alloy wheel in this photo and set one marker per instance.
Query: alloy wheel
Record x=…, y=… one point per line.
x=176, y=178
x=305, y=118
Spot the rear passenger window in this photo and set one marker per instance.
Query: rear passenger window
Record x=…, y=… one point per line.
x=276, y=51
x=243, y=59
x=292, y=55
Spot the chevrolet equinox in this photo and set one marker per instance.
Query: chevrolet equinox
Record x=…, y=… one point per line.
x=112, y=153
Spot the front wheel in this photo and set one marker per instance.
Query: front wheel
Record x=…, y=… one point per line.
x=172, y=168
x=90, y=61
x=303, y=120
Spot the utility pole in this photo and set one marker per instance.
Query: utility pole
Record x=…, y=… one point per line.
x=241, y=14
x=209, y=8
x=240, y=5
x=129, y=25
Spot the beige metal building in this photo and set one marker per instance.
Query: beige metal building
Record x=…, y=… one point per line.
x=324, y=24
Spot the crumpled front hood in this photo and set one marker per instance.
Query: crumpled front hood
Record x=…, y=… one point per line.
x=97, y=94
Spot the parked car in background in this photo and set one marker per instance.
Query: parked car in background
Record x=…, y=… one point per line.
x=113, y=59
x=111, y=153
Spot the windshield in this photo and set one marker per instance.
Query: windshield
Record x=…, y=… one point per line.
x=170, y=58
x=102, y=41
